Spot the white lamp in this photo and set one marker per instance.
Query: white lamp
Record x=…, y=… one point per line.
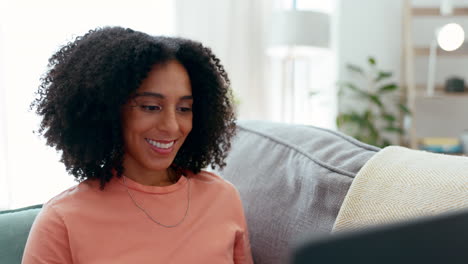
x=449, y=37
x=299, y=30
x=296, y=34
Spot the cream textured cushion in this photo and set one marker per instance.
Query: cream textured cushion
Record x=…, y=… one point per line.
x=399, y=184
x=292, y=180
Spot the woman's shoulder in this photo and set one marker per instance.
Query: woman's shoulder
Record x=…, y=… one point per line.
x=211, y=179
x=217, y=190
x=73, y=195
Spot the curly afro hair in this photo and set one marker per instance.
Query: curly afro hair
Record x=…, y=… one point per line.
x=91, y=78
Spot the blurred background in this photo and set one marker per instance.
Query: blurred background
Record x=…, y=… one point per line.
x=383, y=71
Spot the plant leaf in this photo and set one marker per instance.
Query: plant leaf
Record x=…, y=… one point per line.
x=375, y=99
x=374, y=133
x=357, y=118
x=368, y=115
x=394, y=130
x=389, y=117
x=372, y=61
x=383, y=75
x=340, y=89
x=343, y=119
x=388, y=88
x=353, y=88
x=404, y=109
x=386, y=142
x=373, y=137
x=339, y=120
x=355, y=68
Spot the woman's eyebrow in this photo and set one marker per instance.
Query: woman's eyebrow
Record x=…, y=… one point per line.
x=186, y=97
x=161, y=96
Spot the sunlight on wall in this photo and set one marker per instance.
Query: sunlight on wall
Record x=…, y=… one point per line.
x=31, y=31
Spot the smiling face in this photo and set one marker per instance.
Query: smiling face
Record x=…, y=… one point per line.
x=157, y=120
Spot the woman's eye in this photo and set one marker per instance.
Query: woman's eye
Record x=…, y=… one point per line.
x=185, y=109
x=151, y=108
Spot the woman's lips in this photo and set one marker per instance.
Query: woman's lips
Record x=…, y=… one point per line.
x=161, y=146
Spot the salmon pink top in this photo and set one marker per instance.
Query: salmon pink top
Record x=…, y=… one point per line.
x=87, y=225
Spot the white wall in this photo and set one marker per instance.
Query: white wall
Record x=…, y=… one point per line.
x=238, y=34
x=369, y=28
x=235, y=31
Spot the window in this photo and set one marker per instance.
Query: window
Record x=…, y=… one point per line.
x=310, y=97
x=30, y=32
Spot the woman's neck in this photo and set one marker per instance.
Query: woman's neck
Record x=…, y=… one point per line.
x=151, y=178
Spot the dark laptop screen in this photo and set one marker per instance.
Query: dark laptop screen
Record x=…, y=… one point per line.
x=440, y=239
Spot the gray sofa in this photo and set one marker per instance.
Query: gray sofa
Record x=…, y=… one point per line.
x=292, y=180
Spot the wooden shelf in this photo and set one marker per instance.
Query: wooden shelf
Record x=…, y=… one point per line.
x=439, y=92
x=424, y=51
x=444, y=113
x=435, y=11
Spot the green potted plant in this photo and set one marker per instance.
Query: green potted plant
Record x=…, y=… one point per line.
x=380, y=110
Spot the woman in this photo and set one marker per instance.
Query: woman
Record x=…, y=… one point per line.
x=136, y=118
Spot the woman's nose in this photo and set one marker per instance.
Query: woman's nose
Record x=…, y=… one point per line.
x=168, y=122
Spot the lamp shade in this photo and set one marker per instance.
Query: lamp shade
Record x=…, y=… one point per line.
x=451, y=36
x=300, y=28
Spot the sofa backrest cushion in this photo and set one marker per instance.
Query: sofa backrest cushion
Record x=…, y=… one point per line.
x=14, y=231
x=292, y=180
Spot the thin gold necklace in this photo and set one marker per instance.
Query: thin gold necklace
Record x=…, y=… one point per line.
x=150, y=217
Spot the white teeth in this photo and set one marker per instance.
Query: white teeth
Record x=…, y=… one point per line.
x=160, y=145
